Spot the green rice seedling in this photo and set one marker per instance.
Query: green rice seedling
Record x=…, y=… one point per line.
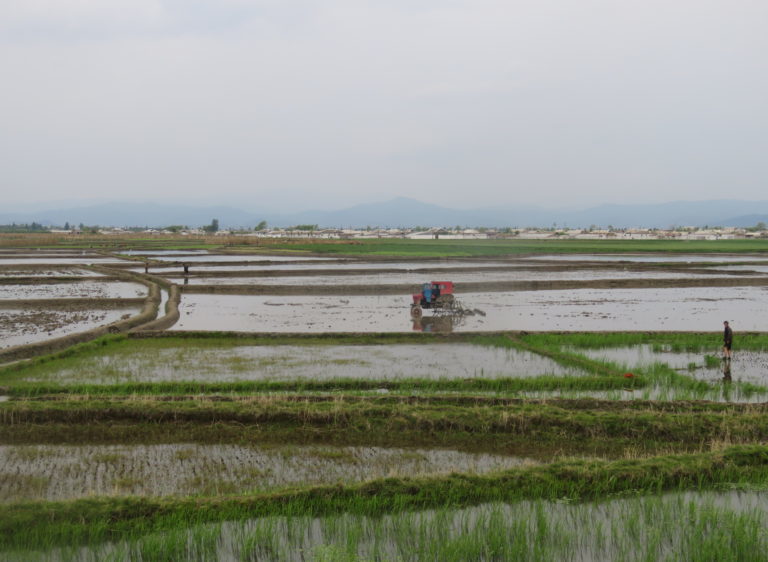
x=31, y=453
x=23, y=485
x=185, y=454
x=342, y=455
x=712, y=361
x=125, y=483
x=108, y=458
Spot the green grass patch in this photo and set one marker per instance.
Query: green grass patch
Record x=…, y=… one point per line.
x=500, y=385
x=512, y=246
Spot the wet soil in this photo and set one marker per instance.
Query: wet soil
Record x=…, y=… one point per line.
x=82, y=289
x=18, y=327
x=42, y=273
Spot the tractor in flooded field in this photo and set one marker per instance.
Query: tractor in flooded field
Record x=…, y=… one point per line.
x=435, y=295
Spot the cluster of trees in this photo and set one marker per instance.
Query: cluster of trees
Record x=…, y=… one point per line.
x=31, y=227
x=213, y=227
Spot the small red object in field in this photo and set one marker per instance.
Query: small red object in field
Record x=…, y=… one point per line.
x=629, y=376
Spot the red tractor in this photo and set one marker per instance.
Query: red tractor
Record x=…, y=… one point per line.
x=437, y=295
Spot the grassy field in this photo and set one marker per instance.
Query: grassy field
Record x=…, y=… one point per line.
x=512, y=246
x=386, y=247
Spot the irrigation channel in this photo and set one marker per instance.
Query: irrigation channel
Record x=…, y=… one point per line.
x=200, y=399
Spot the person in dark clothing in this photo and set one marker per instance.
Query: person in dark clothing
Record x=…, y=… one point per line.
x=727, y=341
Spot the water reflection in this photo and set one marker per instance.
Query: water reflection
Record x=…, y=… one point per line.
x=727, y=370
x=442, y=324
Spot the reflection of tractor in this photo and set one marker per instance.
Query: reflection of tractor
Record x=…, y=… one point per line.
x=435, y=295
x=437, y=324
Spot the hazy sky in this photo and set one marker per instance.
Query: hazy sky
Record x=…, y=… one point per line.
x=299, y=103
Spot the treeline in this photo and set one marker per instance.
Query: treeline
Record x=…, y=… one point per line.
x=24, y=227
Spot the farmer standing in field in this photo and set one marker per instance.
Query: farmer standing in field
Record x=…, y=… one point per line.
x=727, y=341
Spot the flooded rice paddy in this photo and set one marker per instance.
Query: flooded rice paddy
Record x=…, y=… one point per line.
x=335, y=265
x=724, y=525
x=669, y=527
x=745, y=365
x=679, y=309
x=57, y=272
x=60, y=472
x=82, y=260
x=81, y=289
x=18, y=327
x=308, y=362
x=463, y=276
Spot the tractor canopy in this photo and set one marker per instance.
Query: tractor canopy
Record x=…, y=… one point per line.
x=445, y=287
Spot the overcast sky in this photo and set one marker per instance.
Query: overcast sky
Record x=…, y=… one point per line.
x=294, y=104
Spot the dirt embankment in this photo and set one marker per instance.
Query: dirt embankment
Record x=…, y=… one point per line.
x=171, y=315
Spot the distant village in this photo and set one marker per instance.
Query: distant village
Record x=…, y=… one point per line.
x=420, y=233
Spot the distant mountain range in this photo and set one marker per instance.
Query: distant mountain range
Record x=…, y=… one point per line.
x=404, y=212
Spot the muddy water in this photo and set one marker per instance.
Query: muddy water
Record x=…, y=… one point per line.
x=457, y=277
x=745, y=366
x=55, y=472
x=687, y=309
x=85, y=289
x=19, y=327
x=746, y=268
x=53, y=261
x=60, y=272
x=164, y=296
x=680, y=258
x=248, y=363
